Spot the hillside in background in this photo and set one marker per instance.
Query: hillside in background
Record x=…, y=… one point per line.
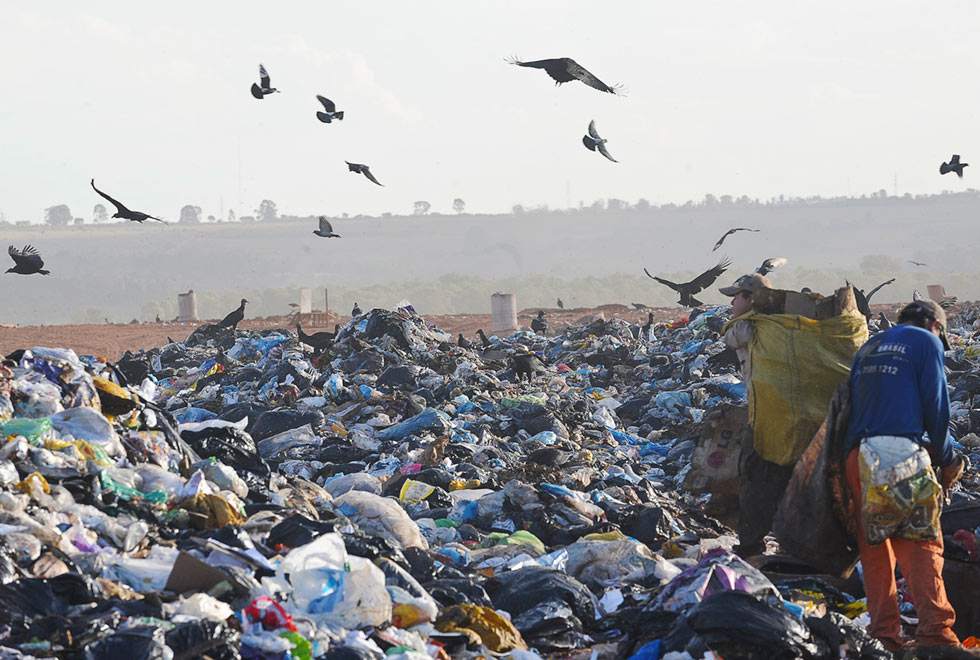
x=451, y=264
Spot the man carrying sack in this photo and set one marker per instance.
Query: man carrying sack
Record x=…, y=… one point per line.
x=897, y=431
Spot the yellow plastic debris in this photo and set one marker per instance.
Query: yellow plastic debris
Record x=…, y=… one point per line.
x=498, y=633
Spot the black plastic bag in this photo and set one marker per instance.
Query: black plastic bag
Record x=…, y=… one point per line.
x=33, y=598
x=518, y=591
x=550, y=626
x=144, y=642
x=449, y=592
x=839, y=633
x=194, y=638
x=274, y=422
x=297, y=530
x=739, y=625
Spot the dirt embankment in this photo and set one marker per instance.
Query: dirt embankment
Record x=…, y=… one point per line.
x=111, y=340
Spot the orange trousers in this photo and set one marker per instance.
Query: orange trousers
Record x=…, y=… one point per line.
x=922, y=565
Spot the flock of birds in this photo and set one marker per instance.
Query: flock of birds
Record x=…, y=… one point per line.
x=28, y=261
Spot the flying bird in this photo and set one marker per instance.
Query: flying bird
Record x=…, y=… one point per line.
x=954, y=165
x=565, y=69
x=356, y=311
x=123, y=212
x=259, y=91
x=234, y=318
x=326, y=229
x=729, y=233
x=357, y=168
x=771, y=264
x=561, y=305
x=27, y=261
x=329, y=110
x=592, y=141
x=688, y=289
x=916, y=263
x=639, y=306
x=863, y=300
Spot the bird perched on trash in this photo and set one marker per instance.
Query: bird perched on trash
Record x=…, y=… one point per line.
x=525, y=365
x=561, y=305
x=264, y=86
x=326, y=229
x=592, y=141
x=540, y=324
x=688, y=289
x=883, y=322
x=234, y=318
x=954, y=165
x=358, y=168
x=356, y=311
x=565, y=69
x=916, y=263
x=771, y=264
x=483, y=338
x=317, y=338
x=329, y=110
x=729, y=233
x=463, y=342
x=123, y=212
x=646, y=326
x=27, y=261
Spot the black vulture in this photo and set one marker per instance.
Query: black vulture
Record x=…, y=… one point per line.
x=729, y=233
x=688, y=289
x=317, y=338
x=540, y=324
x=234, y=318
x=463, y=342
x=358, y=168
x=565, y=69
x=27, y=261
x=483, y=338
x=771, y=264
x=123, y=212
x=561, y=305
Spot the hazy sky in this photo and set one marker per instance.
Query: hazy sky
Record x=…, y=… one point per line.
x=760, y=98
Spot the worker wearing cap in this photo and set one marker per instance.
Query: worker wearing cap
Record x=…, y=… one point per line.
x=761, y=483
x=898, y=395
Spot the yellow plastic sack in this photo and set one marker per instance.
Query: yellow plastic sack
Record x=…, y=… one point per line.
x=797, y=363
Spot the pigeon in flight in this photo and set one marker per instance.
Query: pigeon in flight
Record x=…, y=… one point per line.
x=260, y=90
x=592, y=141
x=729, y=233
x=123, y=212
x=954, y=165
x=688, y=289
x=329, y=110
x=565, y=69
x=916, y=263
x=27, y=261
x=771, y=264
x=357, y=168
x=325, y=230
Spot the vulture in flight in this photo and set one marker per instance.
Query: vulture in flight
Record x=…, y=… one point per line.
x=123, y=212
x=729, y=233
x=565, y=69
x=771, y=264
x=688, y=289
x=27, y=261
x=358, y=168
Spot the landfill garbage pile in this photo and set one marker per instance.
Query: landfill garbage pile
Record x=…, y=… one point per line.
x=396, y=495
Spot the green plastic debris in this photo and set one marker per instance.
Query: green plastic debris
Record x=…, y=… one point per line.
x=127, y=493
x=32, y=429
x=302, y=650
x=520, y=537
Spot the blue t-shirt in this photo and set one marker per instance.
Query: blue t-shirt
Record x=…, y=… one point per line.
x=898, y=387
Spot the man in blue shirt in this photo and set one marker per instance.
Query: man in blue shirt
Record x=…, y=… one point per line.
x=898, y=395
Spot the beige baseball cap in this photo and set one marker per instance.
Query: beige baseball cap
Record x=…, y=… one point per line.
x=749, y=283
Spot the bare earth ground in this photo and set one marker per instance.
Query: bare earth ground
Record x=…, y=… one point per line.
x=111, y=340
